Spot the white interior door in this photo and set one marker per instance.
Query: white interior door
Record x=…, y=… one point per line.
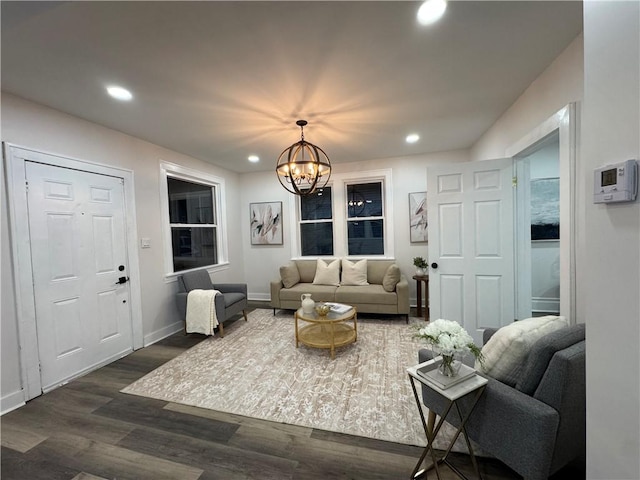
x=78, y=249
x=471, y=244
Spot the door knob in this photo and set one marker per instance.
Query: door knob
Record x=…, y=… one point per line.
x=434, y=265
x=122, y=280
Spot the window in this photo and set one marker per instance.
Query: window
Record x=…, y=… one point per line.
x=193, y=225
x=347, y=218
x=316, y=223
x=365, y=220
x=193, y=230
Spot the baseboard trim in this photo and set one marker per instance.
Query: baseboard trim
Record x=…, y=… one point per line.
x=259, y=297
x=163, y=333
x=545, y=304
x=11, y=402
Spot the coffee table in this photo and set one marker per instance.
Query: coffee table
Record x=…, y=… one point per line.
x=328, y=331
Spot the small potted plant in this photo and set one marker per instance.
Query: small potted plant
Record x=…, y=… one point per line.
x=421, y=265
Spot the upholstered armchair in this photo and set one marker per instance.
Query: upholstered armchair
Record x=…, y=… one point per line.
x=232, y=298
x=538, y=425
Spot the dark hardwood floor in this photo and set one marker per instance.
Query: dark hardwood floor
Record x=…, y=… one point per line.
x=88, y=430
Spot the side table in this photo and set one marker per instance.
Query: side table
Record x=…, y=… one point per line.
x=420, y=279
x=476, y=384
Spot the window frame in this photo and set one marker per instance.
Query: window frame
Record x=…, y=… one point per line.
x=170, y=170
x=322, y=220
x=382, y=217
x=338, y=184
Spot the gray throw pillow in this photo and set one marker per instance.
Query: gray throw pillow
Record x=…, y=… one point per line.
x=289, y=275
x=391, y=278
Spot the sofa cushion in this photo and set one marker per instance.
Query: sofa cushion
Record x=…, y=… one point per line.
x=391, y=278
x=289, y=275
x=371, y=294
x=506, y=352
x=354, y=273
x=327, y=274
x=376, y=270
x=232, y=297
x=307, y=270
x=542, y=352
x=319, y=293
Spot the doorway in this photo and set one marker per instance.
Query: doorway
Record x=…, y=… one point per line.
x=37, y=248
x=455, y=293
x=78, y=252
x=538, y=200
x=549, y=258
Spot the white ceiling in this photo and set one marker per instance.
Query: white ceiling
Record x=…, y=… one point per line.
x=222, y=80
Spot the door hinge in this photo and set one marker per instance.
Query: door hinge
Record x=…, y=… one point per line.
x=514, y=182
x=26, y=184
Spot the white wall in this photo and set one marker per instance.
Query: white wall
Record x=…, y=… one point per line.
x=27, y=124
x=611, y=132
x=558, y=85
x=608, y=237
x=9, y=367
x=409, y=175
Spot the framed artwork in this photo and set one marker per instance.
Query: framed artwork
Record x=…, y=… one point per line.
x=266, y=223
x=418, y=217
x=545, y=209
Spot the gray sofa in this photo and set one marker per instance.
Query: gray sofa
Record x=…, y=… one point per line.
x=372, y=298
x=537, y=426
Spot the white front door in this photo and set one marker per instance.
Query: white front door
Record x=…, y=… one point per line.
x=78, y=249
x=471, y=244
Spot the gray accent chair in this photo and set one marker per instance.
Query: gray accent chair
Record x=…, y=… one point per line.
x=233, y=298
x=538, y=425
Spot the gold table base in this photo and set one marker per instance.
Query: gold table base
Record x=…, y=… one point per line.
x=328, y=331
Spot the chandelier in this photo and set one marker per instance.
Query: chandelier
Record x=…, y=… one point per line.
x=303, y=167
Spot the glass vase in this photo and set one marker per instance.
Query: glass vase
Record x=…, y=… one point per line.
x=450, y=365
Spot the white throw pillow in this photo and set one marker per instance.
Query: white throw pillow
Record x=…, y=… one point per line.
x=354, y=273
x=327, y=274
x=507, y=350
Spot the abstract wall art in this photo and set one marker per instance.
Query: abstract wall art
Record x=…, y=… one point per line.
x=418, y=217
x=266, y=223
x=545, y=209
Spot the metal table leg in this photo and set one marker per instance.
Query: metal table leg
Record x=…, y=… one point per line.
x=431, y=435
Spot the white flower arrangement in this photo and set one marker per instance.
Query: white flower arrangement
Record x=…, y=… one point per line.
x=449, y=338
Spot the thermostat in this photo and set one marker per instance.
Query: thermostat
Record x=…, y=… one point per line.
x=616, y=183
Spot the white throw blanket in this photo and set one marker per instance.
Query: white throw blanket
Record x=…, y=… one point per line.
x=201, y=311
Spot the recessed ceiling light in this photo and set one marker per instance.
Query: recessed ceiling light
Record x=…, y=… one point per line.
x=119, y=93
x=431, y=11
x=413, y=138
x=253, y=158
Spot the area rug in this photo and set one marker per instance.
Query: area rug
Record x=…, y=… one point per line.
x=257, y=371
